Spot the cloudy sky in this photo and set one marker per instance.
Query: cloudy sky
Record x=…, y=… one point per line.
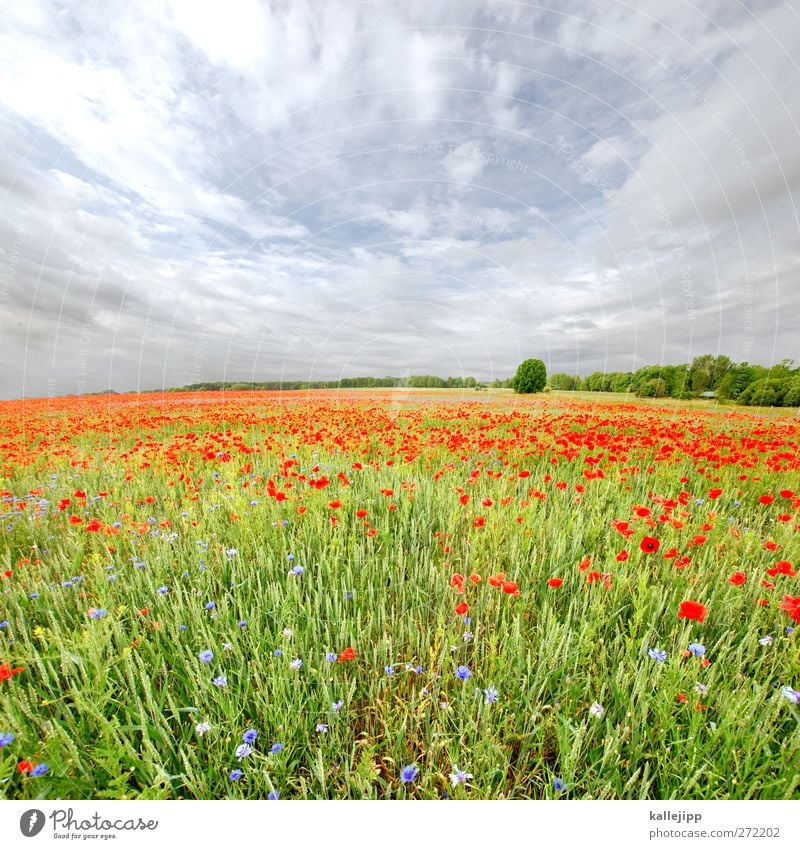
x=197, y=190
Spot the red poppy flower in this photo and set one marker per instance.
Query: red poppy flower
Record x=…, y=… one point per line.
x=585, y=564
x=555, y=582
x=24, y=766
x=787, y=493
x=464, y=498
x=7, y=672
x=462, y=608
x=361, y=513
x=737, y=579
x=649, y=545
x=334, y=505
x=479, y=522
x=475, y=578
x=622, y=556
x=714, y=493
x=692, y=610
x=347, y=654
x=766, y=499
x=593, y=577
x=495, y=580
x=456, y=579
x=791, y=604
x=510, y=587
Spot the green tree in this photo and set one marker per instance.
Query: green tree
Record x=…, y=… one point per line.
x=531, y=376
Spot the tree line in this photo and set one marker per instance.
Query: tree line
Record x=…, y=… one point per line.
x=415, y=381
x=706, y=376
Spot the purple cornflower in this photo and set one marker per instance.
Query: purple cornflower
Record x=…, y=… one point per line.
x=39, y=770
x=490, y=696
x=322, y=728
x=459, y=776
x=235, y=775
x=162, y=590
x=792, y=695
x=202, y=728
x=277, y=653
x=408, y=773
x=559, y=786
x=206, y=656
x=250, y=736
x=296, y=570
x=220, y=681
x=697, y=649
x=243, y=751
x=337, y=706
x=331, y=657
x=210, y=605
x=273, y=795
x=98, y=613
x=658, y=655
x=242, y=623
x=6, y=739
x=296, y=663
x=463, y=673
x=389, y=670
x=276, y=747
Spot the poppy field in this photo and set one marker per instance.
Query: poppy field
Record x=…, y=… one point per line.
x=347, y=596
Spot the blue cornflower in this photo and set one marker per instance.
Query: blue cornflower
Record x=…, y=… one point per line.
x=34, y=596
x=243, y=751
x=658, y=655
x=337, y=706
x=6, y=739
x=235, y=775
x=273, y=795
x=296, y=663
x=322, y=728
x=277, y=653
x=463, y=673
x=230, y=553
x=331, y=657
x=39, y=770
x=408, y=773
x=162, y=590
x=206, y=656
x=389, y=670
x=4, y=623
x=98, y=613
x=210, y=605
x=296, y=570
x=276, y=748
x=559, y=786
x=242, y=623
x=697, y=649
x=250, y=736
x=220, y=681
x=182, y=627
x=348, y=596
x=290, y=557
x=490, y=696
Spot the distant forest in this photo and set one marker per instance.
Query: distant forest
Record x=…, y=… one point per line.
x=708, y=376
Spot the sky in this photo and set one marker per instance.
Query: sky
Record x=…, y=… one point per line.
x=303, y=190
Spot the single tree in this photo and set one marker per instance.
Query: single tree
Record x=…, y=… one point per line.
x=531, y=376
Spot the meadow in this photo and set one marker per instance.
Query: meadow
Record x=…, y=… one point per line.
x=386, y=595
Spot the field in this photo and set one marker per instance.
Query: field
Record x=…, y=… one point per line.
x=385, y=595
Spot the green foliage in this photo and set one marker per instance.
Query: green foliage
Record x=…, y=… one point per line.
x=565, y=382
x=531, y=377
